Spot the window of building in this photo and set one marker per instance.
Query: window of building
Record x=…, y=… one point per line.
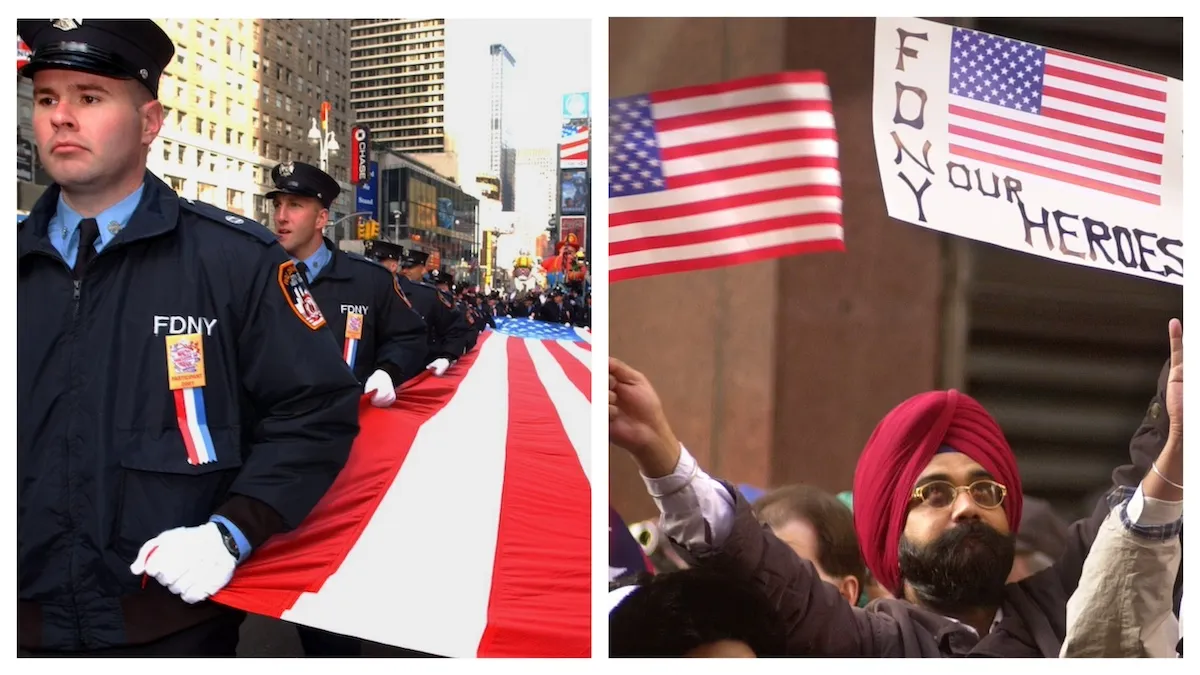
x=179, y=149
x=206, y=192
x=199, y=157
x=228, y=136
x=212, y=131
x=212, y=162
x=199, y=126
x=241, y=138
x=234, y=201
x=177, y=184
x=167, y=151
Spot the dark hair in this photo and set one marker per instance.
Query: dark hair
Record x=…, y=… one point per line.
x=671, y=614
x=833, y=523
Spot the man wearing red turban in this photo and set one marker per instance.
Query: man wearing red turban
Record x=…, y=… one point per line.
x=937, y=504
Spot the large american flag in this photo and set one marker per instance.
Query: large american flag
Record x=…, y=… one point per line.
x=722, y=174
x=573, y=149
x=1061, y=116
x=461, y=525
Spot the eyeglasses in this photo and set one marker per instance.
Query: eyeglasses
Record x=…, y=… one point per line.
x=987, y=494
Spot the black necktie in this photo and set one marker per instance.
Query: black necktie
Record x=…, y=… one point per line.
x=89, y=230
x=303, y=271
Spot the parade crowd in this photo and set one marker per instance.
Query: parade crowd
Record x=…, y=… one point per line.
x=934, y=552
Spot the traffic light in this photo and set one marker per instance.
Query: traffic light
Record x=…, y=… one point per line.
x=362, y=231
x=372, y=229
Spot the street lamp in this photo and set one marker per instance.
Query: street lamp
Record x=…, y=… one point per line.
x=327, y=142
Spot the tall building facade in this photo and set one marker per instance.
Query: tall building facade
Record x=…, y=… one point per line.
x=398, y=82
x=502, y=154
x=535, y=203
x=240, y=96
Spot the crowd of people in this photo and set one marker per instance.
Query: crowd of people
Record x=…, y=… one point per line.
x=934, y=552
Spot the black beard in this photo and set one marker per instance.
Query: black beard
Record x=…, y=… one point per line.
x=965, y=568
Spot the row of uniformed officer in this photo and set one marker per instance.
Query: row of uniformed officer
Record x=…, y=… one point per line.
x=447, y=336
x=180, y=398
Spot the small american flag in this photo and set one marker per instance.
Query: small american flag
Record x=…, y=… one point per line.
x=722, y=174
x=1061, y=116
x=573, y=150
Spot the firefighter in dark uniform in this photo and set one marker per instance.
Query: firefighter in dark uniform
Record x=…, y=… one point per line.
x=179, y=397
x=475, y=322
x=382, y=338
x=553, y=311
x=447, y=328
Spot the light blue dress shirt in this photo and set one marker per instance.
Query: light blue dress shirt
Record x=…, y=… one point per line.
x=64, y=225
x=317, y=261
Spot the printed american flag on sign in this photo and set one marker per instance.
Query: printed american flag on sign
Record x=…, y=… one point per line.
x=722, y=174
x=574, y=145
x=1060, y=116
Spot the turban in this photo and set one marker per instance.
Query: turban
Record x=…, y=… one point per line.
x=899, y=450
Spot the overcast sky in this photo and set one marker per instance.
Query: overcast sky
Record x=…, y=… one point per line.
x=553, y=57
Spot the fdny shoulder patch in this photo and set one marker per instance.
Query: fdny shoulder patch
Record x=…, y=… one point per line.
x=299, y=297
x=230, y=220
x=445, y=300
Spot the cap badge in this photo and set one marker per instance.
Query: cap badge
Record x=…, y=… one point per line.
x=143, y=73
x=66, y=24
x=234, y=219
x=286, y=169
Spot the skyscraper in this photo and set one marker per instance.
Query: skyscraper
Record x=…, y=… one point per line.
x=398, y=81
x=535, y=204
x=503, y=163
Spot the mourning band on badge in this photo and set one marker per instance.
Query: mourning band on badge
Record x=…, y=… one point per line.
x=299, y=297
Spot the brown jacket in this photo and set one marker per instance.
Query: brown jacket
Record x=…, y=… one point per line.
x=819, y=622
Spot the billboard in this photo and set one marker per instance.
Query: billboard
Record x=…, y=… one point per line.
x=360, y=155
x=366, y=197
x=576, y=106
x=574, y=192
x=576, y=225
x=445, y=213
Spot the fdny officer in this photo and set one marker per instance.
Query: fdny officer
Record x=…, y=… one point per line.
x=179, y=397
x=447, y=328
x=382, y=338
x=554, y=311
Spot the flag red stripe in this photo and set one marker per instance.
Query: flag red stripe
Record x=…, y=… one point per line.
x=743, y=170
x=746, y=141
x=1096, y=102
x=712, y=262
x=693, y=208
x=576, y=372
x=1042, y=151
x=1106, y=64
x=797, y=77
x=181, y=418
x=584, y=345
x=1054, y=174
x=1052, y=134
x=1102, y=125
x=272, y=580
x=539, y=604
x=1105, y=83
x=717, y=234
x=742, y=112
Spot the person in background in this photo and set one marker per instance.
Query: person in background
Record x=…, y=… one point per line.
x=1041, y=539
x=707, y=612
x=820, y=529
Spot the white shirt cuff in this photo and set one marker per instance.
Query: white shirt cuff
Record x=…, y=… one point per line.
x=697, y=511
x=1147, y=511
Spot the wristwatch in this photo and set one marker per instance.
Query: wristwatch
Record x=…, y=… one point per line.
x=229, y=541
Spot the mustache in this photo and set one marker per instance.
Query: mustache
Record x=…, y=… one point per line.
x=967, y=566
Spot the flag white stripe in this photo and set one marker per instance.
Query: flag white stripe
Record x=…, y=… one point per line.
x=726, y=246
x=739, y=98
x=750, y=155
x=1105, y=94
x=584, y=333
x=746, y=125
x=725, y=218
x=391, y=591
x=1056, y=125
x=1138, y=79
x=193, y=424
x=725, y=188
x=1051, y=103
x=572, y=406
x=1051, y=144
x=584, y=356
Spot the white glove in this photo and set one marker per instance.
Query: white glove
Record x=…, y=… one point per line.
x=192, y=562
x=381, y=389
x=438, y=367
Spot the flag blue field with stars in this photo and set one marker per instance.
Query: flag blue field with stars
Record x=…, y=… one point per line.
x=536, y=330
